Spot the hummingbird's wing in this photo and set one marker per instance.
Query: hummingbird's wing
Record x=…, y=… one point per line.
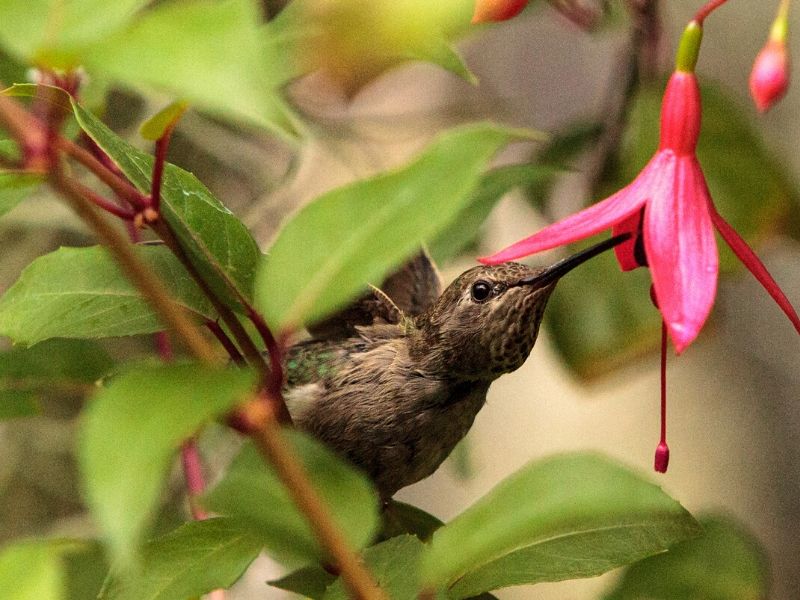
x=408, y=291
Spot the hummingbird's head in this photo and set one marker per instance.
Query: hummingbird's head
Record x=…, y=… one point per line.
x=486, y=322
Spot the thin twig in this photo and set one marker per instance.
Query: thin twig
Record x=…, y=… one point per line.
x=100, y=202
x=226, y=343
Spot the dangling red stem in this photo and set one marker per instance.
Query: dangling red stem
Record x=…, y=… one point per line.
x=662, y=451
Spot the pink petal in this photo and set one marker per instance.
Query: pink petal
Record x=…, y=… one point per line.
x=754, y=264
x=625, y=252
x=589, y=221
x=679, y=240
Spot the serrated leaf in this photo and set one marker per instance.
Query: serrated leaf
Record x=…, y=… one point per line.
x=81, y=293
x=155, y=127
x=560, y=518
x=218, y=243
x=15, y=188
x=724, y=563
x=328, y=252
x=309, y=582
x=492, y=187
x=155, y=409
x=207, y=52
x=395, y=566
x=52, y=368
x=50, y=32
x=252, y=492
x=192, y=560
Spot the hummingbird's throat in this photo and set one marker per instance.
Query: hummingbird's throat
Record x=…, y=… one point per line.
x=558, y=270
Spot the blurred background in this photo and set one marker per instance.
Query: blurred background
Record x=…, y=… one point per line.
x=592, y=382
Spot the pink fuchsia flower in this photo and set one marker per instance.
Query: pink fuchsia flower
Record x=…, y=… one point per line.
x=489, y=11
x=769, y=78
x=670, y=213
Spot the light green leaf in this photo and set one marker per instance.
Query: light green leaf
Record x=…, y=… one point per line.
x=218, y=244
x=252, y=492
x=395, y=566
x=50, y=32
x=33, y=570
x=196, y=558
x=560, y=518
x=724, y=563
x=354, y=235
x=309, y=582
x=81, y=293
x=439, y=51
x=493, y=186
x=206, y=52
x=130, y=433
x=155, y=127
x=52, y=368
x=15, y=188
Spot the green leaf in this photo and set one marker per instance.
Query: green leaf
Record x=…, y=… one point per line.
x=309, y=582
x=354, y=235
x=15, y=188
x=400, y=518
x=725, y=563
x=130, y=433
x=207, y=52
x=155, y=127
x=251, y=491
x=55, y=367
x=395, y=566
x=81, y=293
x=439, y=51
x=560, y=518
x=49, y=32
x=196, y=558
x=493, y=186
x=218, y=244
x=34, y=570
x=86, y=569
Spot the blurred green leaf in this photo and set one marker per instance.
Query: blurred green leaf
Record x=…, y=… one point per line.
x=85, y=571
x=155, y=127
x=439, y=51
x=400, y=518
x=81, y=293
x=196, y=558
x=50, y=32
x=55, y=367
x=218, y=244
x=309, y=582
x=331, y=249
x=252, y=492
x=560, y=518
x=34, y=570
x=14, y=188
x=492, y=187
x=130, y=433
x=724, y=563
x=395, y=566
x=207, y=52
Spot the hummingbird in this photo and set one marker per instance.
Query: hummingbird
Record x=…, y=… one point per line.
x=395, y=380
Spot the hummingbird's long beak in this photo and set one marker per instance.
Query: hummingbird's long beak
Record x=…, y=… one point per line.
x=562, y=267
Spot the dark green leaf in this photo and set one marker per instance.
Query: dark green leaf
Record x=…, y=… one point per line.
x=15, y=188
x=130, y=433
x=85, y=571
x=400, y=518
x=53, y=368
x=252, y=492
x=332, y=248
x=207, y=52
x=395, y=566
x=724, y=563
x=309, y=582
x=218, y=243
x=81, y=293
x=492, y=187
x=196, y=558
x=560, y=518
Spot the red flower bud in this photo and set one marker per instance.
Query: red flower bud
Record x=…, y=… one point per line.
x=488, y=11
x=769, y=78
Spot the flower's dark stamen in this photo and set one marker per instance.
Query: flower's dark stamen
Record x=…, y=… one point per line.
x=639, y=254
x=662, y=451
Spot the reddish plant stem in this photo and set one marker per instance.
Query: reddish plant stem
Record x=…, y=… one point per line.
x=226, y=343
x=707, y=9
x=273, y=348
x=162, y=144
x=29, y=133
x=106, y=205
x=663, y=439
x=195, y=482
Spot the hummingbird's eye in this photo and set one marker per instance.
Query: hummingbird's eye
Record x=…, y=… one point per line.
x=481, y=290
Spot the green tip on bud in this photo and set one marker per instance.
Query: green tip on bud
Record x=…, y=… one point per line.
x=780, y=26
x=689, y=47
